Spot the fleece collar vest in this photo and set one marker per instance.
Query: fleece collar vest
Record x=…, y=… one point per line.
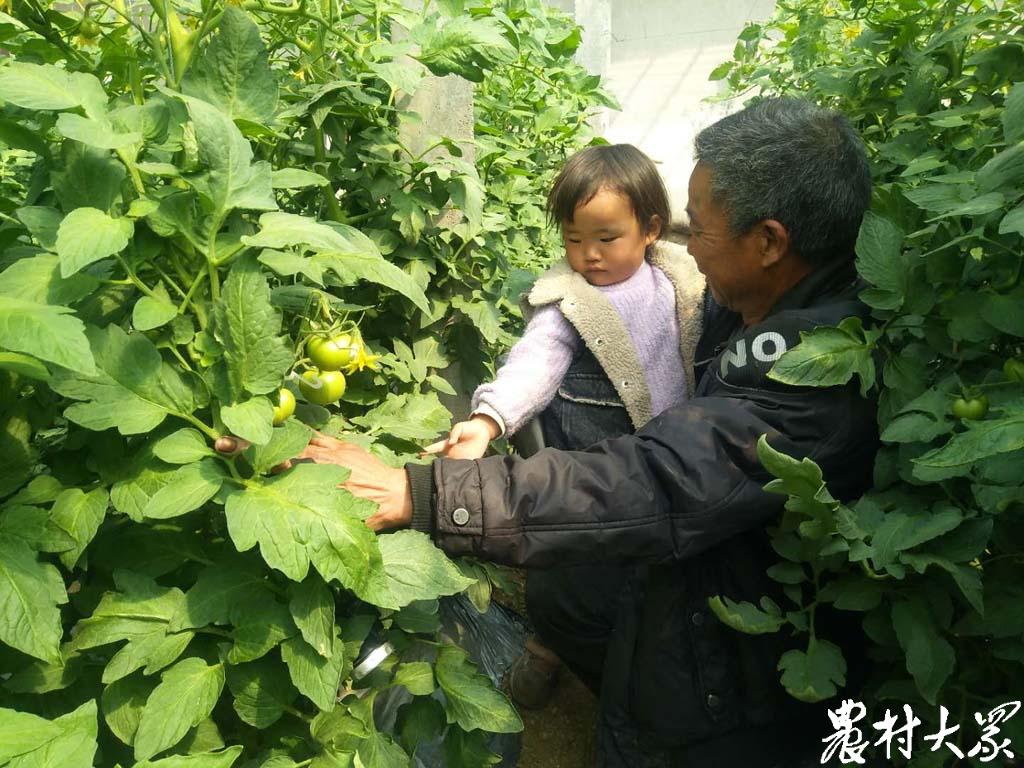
x=603, y=332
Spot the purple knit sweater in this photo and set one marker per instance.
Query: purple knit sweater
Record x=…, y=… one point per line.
x=536, y=364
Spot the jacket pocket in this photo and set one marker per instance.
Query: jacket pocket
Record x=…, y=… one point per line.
x=588, y=410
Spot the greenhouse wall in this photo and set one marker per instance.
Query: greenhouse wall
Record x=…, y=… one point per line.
x=656, y=57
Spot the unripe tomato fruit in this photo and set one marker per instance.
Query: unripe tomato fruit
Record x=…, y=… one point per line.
x=322, y=387
x=973, y=409
x=88, y=28
x=331, y=354
x=1013, y=370
x=284, y=407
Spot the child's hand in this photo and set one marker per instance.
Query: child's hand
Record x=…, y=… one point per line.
x=468, y=439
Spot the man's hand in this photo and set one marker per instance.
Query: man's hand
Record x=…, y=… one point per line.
x=468, y=439
x=371, y=479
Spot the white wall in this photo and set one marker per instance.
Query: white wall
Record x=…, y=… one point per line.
x=655, y=57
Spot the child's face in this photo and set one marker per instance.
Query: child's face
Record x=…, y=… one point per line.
x=604, y=242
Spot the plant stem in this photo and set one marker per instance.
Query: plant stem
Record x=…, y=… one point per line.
x=206, y=429
x=135, y=279
x=333, y=208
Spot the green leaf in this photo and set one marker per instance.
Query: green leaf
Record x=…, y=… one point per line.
x=296, y=178
x=1001, y=311
x=123, y=702
x=224, y=593
x=252, y=420
x=316, y=678
x=799, y=477
x=296, y=518
x=380, y=751
x=287, y=442
x=96, y=133
x=133, y=389
x=186, y=695
x=89, y=177
x=87, y=235
x=21, y=732
x=463, y=46
x=828, y=357
x=982, y=439
x=262, y=690
x=191, y=486
x=1013, y=114
x=150, y=312
x=23, y=365
x=224, y=759
x=41, y=490
x=151, y=653
x=419, y=722
x=312, y=609
x=482, y=314
x=32, y=526
x=42, y=223
x=182, y=447
x=1013, y=221
x=261, y=628
x=46, y=87
x=231, y=179
x=46, y=332
x=75, y=747
x=249, y=327
x=1006, y=169
x=470, y=698
x=416, y=676
x=409, y=417
x=813, y=675
x=37, y=279
x=902, y=530
x=30, y=593
x=745, y=617
x=398, y=76
x=469, y=195
x=930, y=657
x=78, y=515
x=374, y=268
x=413, y=569
x=968, y=579
x=880, y=257
x=233, y=72
x=290, y=263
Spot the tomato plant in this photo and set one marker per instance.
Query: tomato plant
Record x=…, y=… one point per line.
x=930, y=558
x=186, y=200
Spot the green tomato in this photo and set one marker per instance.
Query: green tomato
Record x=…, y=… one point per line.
x=284, y=407
x=331, y=354
x=322, y=387
x=1013, y=370
x=88, y=28
x=971, y=409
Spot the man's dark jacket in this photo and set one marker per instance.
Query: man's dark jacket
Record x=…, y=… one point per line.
x=683, y=498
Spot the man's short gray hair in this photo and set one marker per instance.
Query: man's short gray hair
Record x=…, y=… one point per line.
x=790, y=160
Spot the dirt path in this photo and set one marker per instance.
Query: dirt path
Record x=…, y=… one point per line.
x=561, y=735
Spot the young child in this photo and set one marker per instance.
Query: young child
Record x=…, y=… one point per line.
x=611, y=331
x=609, y=342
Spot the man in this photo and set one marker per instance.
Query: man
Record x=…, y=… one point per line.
x=637, y=532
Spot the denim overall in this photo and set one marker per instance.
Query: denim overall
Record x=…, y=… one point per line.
x=586, y=409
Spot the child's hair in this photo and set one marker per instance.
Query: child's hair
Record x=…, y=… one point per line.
x=619, y=167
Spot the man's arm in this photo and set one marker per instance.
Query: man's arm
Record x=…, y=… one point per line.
x=687, y=481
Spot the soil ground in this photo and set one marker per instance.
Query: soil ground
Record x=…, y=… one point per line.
x=562, y=734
